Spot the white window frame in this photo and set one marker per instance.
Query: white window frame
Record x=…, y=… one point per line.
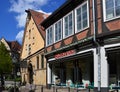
x=64, y=25
x=61, y=30
x=47, y=36
x=76, y=31
x=104, y=13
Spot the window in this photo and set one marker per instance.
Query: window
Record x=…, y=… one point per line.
x=49, y=35
x=37, y=62
x=29, y=34
x=42, y=61
x=29, y=49
x=68, y=25
x=82, y=17
x=58, y=31
x=112, y=9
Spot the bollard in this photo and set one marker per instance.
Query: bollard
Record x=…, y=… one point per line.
x=68, y=89
x=53, y=88
x=42, y=88
x=89, y=90
x=56, y=90
x=117, y=90
x=77, y=90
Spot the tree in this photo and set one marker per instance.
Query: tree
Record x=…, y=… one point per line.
x=5, y=62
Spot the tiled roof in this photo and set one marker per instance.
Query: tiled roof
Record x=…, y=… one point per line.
x=38, y=17
x=14, y=46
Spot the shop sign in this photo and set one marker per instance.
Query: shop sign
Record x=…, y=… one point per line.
x=64, y=54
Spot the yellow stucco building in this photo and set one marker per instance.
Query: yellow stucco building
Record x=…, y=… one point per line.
x=33, y=63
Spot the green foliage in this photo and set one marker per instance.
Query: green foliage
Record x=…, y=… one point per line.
x=5, y=60
x=18, y=79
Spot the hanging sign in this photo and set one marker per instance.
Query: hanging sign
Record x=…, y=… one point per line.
x=64, y=54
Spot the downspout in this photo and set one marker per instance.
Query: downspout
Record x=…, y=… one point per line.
x=97, y=46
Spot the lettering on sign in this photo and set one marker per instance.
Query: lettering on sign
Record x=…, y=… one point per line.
x=64, y=54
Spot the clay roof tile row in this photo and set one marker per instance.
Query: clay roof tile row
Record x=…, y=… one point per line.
x=14, y=46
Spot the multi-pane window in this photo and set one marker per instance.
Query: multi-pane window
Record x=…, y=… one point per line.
x=58, y=31
x=112, y=9
x=82, y=17
x=68, y=25
x=49, y=38
x=65, y=26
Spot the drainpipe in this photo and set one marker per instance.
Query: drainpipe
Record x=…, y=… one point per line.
x=97, y=46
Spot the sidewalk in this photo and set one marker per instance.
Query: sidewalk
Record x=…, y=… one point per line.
x=27, y=88
x=39, y=88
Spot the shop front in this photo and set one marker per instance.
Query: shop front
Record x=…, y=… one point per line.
x=113, y=56
x=71, y=68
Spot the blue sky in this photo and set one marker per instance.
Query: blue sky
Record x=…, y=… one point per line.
x=13, y=16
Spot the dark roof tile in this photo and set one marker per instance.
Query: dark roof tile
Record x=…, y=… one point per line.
x=14, y=46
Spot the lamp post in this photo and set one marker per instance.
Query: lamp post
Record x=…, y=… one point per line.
x=14, y=72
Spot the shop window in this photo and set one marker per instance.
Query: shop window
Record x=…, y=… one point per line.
x=49, y=35
x=82, y=18
x=58, y=31
x=68, y=25
x=111, y=9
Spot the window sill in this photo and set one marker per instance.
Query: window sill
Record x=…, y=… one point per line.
x=81, y=30
x=107, y=20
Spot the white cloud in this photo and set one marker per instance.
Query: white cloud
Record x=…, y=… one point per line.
x=20, y=36
x=19, y=7
x=21, y=20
